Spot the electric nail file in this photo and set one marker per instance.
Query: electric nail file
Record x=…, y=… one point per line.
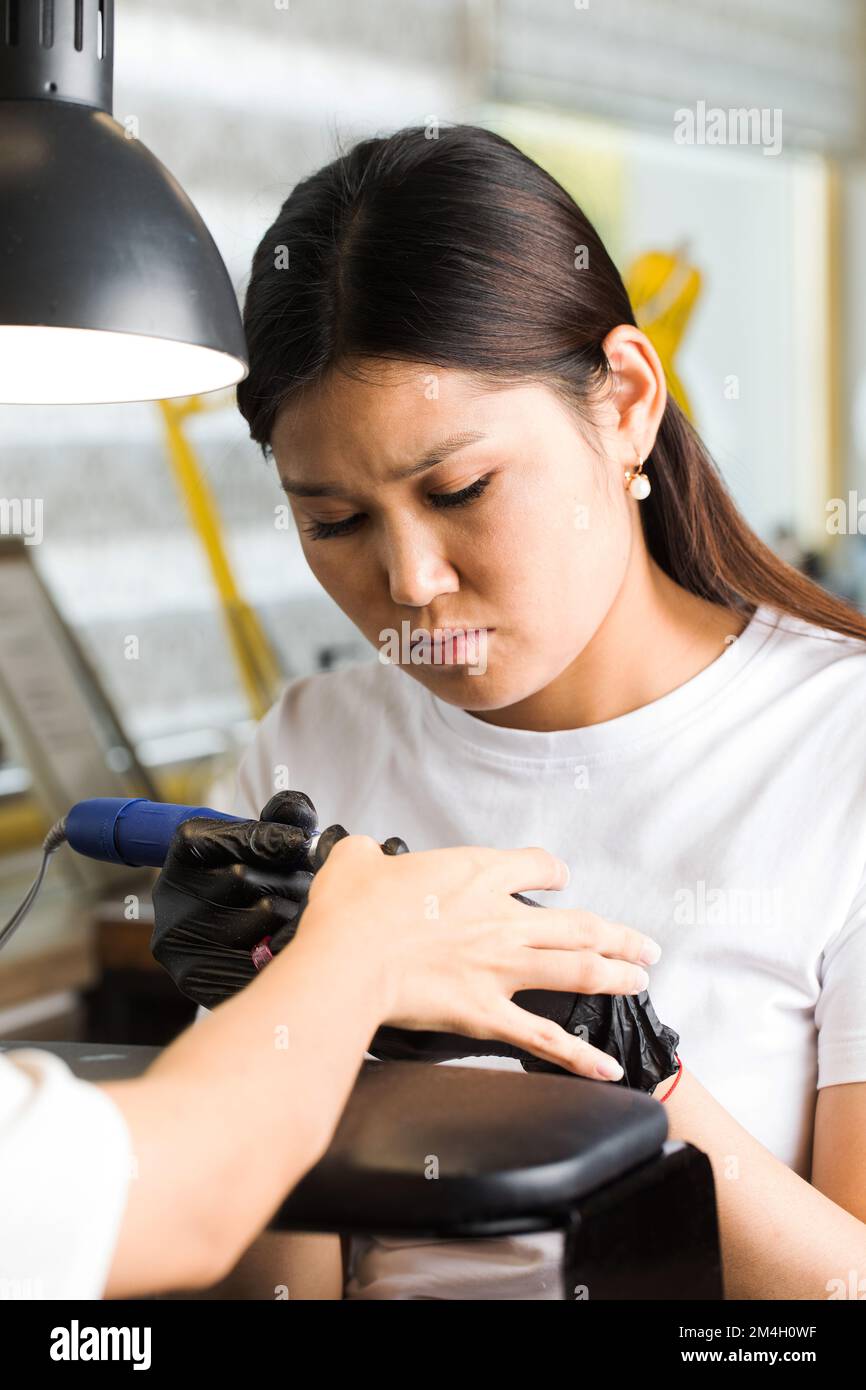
x=134, y=832
x=137, y=832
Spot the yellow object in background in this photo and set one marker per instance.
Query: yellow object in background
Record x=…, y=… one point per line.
x=257, y=663
x=663, y=288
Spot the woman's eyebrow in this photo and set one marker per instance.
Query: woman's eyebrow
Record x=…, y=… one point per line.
x=437, y=454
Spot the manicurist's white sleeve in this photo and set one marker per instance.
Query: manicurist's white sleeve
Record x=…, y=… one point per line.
x=840, y=1013
x=65, y=1166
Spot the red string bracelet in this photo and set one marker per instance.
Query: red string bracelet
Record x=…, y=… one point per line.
x=663, y=1098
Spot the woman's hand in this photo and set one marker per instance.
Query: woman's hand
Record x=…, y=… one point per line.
x=454, y=945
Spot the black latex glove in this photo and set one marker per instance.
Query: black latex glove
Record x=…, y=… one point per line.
x=626, y=1027
x=224, y=886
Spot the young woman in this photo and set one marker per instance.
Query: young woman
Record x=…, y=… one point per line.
x=475, y=438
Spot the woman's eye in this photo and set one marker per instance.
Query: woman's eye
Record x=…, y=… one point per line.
x=322, y=530
x=459, y=499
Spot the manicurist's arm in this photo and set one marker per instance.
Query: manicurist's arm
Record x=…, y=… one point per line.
x=235, y=1112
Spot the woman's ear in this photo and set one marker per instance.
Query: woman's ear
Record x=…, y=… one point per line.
x=639, y=391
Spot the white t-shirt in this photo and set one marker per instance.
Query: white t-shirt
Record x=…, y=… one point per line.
x=65, y=1166
x=726, y=819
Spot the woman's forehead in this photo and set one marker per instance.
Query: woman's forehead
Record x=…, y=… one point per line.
x=400, y=409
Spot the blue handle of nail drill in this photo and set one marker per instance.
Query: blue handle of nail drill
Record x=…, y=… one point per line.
x=131, y=831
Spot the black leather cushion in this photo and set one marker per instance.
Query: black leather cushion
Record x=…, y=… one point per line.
x=507, y=1148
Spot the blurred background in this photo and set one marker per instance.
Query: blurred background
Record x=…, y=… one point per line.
x=156, y=603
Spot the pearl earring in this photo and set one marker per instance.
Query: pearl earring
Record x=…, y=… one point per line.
x=637, y=482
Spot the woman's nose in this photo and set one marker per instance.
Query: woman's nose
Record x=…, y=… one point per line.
x=417, y=570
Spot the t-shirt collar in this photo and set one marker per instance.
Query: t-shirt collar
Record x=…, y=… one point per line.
x=636, y=727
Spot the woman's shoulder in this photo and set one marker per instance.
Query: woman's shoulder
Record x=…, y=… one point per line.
x=812, y=645
x=818, y=670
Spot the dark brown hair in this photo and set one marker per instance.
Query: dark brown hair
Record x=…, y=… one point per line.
x=459, y=251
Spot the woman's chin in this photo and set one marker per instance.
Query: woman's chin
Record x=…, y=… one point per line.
x=470, y=688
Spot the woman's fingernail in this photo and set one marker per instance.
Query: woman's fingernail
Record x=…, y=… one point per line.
x=651, y=951
x=641, y=981
x=567, y=873
x=609, y=1069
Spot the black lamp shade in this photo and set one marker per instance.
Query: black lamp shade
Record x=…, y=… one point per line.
x=111, y=286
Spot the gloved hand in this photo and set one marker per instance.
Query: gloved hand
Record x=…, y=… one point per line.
x=228, y=885
x=224, y=886
x=625, y=1026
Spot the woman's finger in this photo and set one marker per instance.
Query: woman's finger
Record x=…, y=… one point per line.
x=545, y=1039
x=294, y=886
x=576, y=928
x=514, y=870
x=292, y=808
x=577, y=972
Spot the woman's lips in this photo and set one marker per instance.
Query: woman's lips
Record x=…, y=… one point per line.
x=453, y=645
